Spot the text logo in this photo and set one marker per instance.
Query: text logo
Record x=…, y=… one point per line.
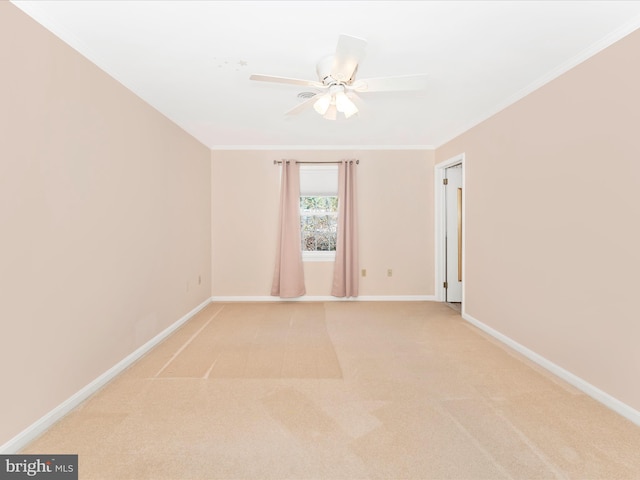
x=39, y=467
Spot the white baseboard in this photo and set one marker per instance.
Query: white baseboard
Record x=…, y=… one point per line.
x=607, y=400
x=327, y=298
x=36, y=429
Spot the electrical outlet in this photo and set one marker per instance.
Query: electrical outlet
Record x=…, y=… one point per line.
x=389, y=273
x=364, y=272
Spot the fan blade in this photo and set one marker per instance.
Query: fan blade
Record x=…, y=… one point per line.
x=349, y=52
x=391, y=84
x=302, y=106
x=291, y=81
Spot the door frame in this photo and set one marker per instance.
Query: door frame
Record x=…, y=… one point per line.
x=440, y=226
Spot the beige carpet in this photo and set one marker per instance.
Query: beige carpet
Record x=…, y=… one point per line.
x=340, y=390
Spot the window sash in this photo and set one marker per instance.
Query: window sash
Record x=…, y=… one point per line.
x=318, y=225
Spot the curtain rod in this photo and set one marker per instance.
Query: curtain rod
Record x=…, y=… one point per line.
x=278, y=162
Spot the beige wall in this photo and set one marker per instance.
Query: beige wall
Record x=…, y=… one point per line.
x=552, y=197
x=396, y=221
x=104, y=215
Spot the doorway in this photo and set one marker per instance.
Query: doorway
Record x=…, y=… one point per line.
x=450, y=219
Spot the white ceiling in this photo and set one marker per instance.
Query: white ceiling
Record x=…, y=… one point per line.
x=191, y=60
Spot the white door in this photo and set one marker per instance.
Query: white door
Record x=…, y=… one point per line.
x=453, y=243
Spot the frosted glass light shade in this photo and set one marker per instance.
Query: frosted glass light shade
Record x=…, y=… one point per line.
x=322, y=104
x=345, y=105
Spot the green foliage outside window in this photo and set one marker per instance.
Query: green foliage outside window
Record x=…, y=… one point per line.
x=319, y=222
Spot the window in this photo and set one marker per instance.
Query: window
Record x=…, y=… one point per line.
x=319, y=221
x=318, y=211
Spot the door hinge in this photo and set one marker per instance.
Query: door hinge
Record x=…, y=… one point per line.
x=445, y=181
x=445, y=285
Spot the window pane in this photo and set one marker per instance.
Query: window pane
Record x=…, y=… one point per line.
x=307, y=223
x=308, y=242
x=304, y=203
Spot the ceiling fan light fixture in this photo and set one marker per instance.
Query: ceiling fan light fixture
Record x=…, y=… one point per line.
x=337, y=77
x=322, y=104
x=332, y=113
x=345, y=105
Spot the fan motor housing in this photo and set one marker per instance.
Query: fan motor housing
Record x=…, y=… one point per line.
x=323, y=69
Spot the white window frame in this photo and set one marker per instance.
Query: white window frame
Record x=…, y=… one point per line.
x=318, y=180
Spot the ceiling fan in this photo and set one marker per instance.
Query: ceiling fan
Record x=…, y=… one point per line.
x=337, y=81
